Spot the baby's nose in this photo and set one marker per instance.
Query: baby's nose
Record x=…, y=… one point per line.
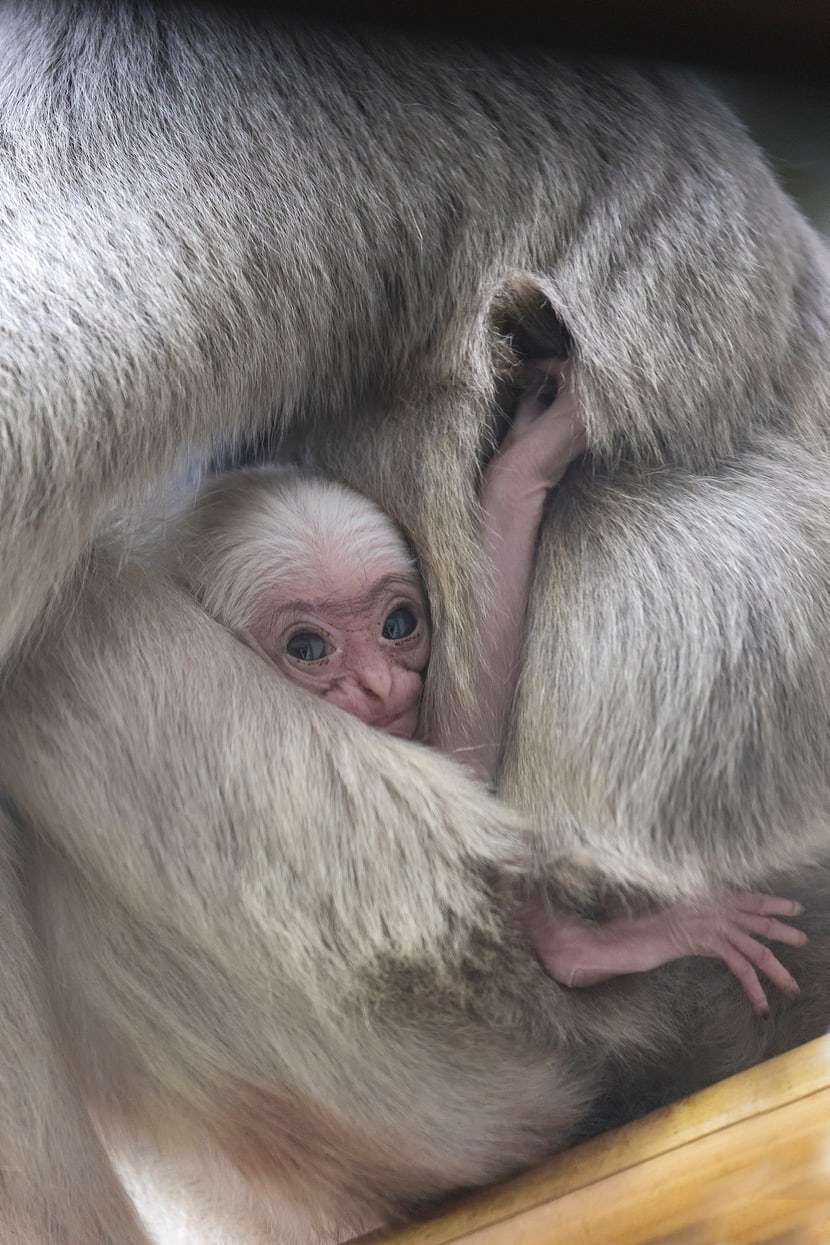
x=376, y=678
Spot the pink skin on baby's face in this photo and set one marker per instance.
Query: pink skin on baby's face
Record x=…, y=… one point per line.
x=356, y=632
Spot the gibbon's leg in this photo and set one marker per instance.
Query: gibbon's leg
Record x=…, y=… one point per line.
x=56, y=1183
x=296, y=943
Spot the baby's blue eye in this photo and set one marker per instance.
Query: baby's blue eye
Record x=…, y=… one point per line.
x=400, y=623
x=307, y=646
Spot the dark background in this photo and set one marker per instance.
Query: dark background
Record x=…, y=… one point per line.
x=787, y=38
x=770, y=58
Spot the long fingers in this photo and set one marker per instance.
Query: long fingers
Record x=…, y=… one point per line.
x=547, y=383
x=751, y=917
x=763, y=958
x=742, y=968
x=770, y=928
x=764, y=905
x=742, y=954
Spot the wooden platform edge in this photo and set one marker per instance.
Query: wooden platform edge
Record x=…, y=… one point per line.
x=737, y=1106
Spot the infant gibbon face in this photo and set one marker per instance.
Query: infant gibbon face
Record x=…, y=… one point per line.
x=353, y=627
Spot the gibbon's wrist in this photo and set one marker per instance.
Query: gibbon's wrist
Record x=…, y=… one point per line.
x=523, y=474
x=510, y=499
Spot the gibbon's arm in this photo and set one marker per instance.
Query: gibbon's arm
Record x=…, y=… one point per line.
x=672, y=715
x=244, y=865
x=546, y=435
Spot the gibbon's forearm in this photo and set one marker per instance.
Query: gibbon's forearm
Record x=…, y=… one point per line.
x=511, y=514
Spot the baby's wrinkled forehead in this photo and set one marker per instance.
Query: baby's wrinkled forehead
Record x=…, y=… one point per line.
x=284, y=536
x=349, y=584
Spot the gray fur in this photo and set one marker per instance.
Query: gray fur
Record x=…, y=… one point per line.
x=236, y=924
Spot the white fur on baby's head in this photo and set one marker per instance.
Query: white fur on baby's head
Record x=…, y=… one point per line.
x=252, y=535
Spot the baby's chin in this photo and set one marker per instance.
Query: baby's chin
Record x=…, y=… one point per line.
x=402, y=727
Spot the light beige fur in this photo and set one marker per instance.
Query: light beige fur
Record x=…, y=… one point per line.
x=235, y=923
x=249, y=534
